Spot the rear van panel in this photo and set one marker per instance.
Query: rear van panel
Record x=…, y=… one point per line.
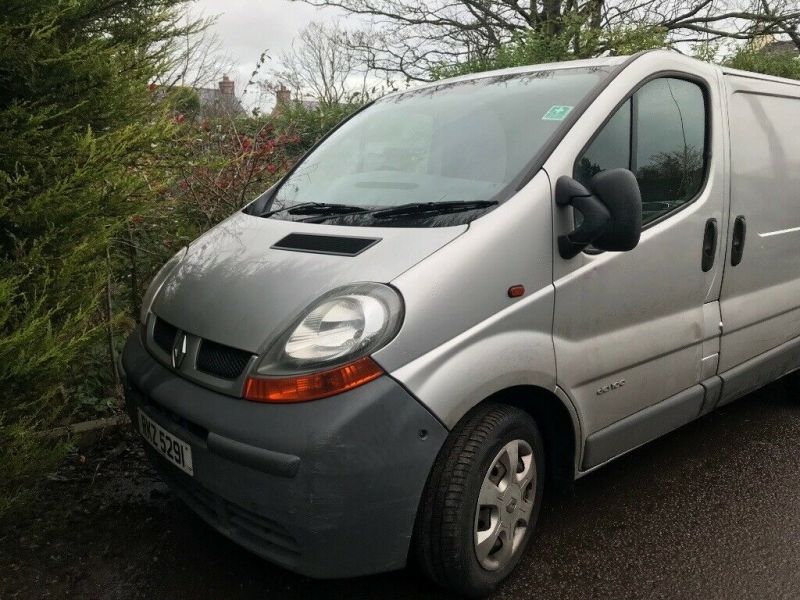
x=761, y=295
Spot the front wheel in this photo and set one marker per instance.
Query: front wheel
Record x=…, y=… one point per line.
x=482, y=500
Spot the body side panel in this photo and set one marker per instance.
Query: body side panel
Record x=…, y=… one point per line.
x=643, y=426
x=463, y=338
x=760, y=301
x=759, y=371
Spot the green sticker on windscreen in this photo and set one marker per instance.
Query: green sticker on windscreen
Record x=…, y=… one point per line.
x=556, y=113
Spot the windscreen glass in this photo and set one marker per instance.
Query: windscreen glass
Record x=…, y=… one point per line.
x=457, y=145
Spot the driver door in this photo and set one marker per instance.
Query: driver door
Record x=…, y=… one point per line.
x=636, y=332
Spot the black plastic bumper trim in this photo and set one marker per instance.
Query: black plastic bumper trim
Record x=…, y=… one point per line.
x=269, y=461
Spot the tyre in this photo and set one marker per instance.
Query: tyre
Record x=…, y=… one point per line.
x=481, y=501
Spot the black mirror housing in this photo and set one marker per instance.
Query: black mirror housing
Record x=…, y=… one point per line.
x=619, y=191
x=612, y=212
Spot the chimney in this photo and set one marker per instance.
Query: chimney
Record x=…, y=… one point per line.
x=282, y=96
x=226, y=86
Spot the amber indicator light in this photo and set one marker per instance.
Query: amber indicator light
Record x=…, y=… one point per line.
x=312, y=386
x=515, y=291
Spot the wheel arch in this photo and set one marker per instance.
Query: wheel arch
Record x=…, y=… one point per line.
x=558, y=424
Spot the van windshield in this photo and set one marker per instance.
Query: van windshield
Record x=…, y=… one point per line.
x=438, y=155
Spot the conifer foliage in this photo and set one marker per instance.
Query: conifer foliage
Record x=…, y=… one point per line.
x=79, y=134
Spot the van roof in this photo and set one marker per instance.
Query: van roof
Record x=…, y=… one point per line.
x=605, y=61
x=753, y=75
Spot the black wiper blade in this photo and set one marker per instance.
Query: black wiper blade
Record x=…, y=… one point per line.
x=315, y=208
x=283, y=208
x=416, y=208
x=322, y=208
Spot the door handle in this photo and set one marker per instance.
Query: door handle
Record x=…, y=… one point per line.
x=737, y=243
x=709, y=245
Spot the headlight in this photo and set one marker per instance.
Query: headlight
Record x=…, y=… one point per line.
x=341, y=326
x=326, y=351
x=157, y=282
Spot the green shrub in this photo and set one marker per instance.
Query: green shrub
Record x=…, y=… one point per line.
x=779, y=64
x=79, y=137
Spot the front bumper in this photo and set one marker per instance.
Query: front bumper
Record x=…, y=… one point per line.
x=328, y=488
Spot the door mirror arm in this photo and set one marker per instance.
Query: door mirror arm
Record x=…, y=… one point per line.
x=595, y=215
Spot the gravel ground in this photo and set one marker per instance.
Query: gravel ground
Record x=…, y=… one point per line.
x=710, y=511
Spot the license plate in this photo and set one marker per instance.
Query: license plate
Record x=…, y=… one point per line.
x=175, y=450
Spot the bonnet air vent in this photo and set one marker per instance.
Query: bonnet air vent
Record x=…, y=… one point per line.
x=325, y=244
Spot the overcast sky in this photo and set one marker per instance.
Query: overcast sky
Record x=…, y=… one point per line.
x=246, y=28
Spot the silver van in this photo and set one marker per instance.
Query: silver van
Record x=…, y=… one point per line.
x=467, y=293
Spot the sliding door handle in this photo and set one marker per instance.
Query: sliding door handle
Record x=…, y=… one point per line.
x=737, y=243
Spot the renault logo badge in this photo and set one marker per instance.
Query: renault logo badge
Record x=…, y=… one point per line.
x=178, y=350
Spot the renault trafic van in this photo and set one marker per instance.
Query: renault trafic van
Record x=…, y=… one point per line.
x=469, y=291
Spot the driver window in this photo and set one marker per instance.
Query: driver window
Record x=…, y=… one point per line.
x=659, y=134
x=611, y=149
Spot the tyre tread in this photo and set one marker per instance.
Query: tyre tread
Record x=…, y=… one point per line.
x=437, y=545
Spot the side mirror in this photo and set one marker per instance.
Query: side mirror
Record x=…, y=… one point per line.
x=612, y=212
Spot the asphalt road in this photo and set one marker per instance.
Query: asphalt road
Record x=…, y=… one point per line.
x=710, y=511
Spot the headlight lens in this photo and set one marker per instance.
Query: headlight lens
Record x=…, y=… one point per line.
x=339, y=327
x=158, y=281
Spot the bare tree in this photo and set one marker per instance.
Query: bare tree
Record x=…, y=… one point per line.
x=322, y=63
x=418, y=36
x=197, y=58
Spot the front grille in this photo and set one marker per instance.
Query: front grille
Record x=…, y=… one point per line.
x=212, y=358
x=222, y=361
x=164, y=334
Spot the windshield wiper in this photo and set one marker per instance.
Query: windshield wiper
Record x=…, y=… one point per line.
x=279, y=210
x=316, y=208
x=416, y=208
